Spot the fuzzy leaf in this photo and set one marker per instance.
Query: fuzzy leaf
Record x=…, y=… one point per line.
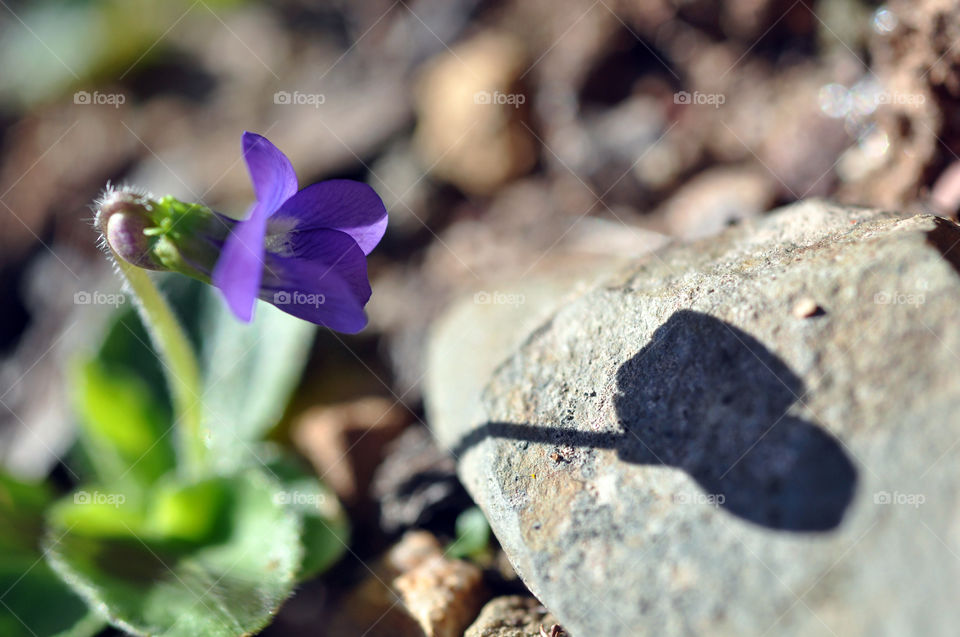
x=34, y=602
x=122, y=426
x=250, y=373
x=250, y=370
x=326, y=528
x=229, y=586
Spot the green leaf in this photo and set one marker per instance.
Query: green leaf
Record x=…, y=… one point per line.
x=473, y=534
x=97, y=512
x=250, y=372
x=21, y=515
x=188, y=513
x=123, y=426
x=126, y=350
x=166, y=589
x=171, y=511
x=326, y=528
x=34, y=602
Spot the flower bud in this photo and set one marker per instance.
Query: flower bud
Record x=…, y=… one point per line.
x=162, y=234
x=124, y=219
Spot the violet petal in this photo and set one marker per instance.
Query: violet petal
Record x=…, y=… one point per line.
x=326, y=283
x=349, y=206
x=274, y=180
x=240, y=267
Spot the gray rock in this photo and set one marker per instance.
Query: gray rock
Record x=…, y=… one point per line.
x=675, y=451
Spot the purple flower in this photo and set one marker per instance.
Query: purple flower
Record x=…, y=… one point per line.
x=304, y=251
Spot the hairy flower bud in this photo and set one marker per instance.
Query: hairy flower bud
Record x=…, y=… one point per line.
x=162, y=234
x=123, y=219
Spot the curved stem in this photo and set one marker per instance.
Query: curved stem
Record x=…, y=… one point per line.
x=179, y=364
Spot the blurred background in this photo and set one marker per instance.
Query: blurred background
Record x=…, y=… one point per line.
x=504, y=136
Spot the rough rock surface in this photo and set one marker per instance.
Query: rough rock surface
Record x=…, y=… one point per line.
x=414, y=590
x=512, y=616
x=443, y=595
x=676, y=451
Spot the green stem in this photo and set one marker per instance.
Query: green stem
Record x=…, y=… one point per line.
x=179, y=364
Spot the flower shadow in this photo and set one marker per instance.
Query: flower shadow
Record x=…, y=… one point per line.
x=708, y=398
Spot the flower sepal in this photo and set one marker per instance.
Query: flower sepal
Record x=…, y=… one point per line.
x=162, y=233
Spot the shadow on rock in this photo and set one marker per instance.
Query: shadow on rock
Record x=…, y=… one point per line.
x=710, y=399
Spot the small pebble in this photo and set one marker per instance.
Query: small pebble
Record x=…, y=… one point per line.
x=805, y=308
